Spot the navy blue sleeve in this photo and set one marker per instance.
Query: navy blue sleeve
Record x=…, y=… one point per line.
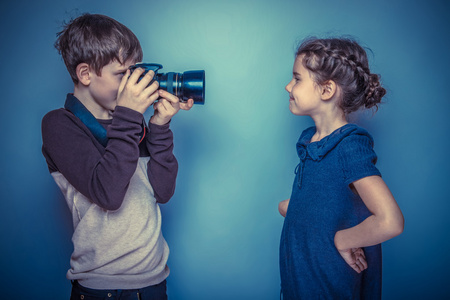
x=358, y=158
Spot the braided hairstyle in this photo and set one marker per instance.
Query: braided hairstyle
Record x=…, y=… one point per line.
x=345, y=62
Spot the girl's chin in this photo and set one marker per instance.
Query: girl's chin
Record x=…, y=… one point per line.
x=292, y=110
x=295, y=111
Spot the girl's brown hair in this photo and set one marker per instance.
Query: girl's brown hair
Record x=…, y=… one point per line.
x=345, y=62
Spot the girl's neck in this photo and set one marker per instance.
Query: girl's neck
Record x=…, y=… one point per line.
x=326, y=125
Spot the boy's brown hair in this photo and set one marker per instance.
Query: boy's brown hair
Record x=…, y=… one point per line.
x=96, y=40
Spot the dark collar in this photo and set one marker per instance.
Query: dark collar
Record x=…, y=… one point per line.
x=81, y=112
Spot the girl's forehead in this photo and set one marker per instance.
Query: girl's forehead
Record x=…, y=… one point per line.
x=298, y=64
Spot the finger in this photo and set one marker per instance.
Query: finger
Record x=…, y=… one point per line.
x=135, y=75
x=359, y=264
x=156, y=106
x=124, y=80
x=356, y=267
x=357, y=251
x=363, y=263
x=187, y=105
x=166, y=106
x=151, y=91
x=146, y=79
x=169, y=97
x=153, y=97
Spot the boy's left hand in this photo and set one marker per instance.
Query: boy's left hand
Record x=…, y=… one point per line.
x=167, y=106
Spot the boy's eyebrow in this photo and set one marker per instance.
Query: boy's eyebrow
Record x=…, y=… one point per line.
x=121, y=70
x=296, y=74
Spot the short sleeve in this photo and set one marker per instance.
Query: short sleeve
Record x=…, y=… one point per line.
x=358, y=158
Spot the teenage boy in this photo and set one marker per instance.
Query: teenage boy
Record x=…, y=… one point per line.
x=112, y=168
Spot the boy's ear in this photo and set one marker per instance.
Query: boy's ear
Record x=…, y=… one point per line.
x=83, y=73
x=329, y=89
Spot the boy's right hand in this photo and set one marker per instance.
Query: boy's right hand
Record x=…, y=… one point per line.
x=137, y=95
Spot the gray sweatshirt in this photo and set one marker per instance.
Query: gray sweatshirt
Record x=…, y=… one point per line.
x=113, y=195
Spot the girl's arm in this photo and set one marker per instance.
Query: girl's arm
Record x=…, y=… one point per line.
x=283, y=207
x=385, y=222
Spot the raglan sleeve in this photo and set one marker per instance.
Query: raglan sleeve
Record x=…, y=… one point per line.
x=100, y=174
x=358, y=158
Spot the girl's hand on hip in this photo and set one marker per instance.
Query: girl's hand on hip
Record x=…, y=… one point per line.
x=355, y=258
x=283, y=207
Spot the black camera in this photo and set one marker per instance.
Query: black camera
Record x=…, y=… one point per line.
x=187, y=85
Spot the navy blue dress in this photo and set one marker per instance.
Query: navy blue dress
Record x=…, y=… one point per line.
x=321, y=204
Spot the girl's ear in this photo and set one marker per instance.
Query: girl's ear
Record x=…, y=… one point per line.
x=329, y=89
x=83, y=73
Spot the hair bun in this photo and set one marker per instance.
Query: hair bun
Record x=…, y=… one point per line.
x=374, y=91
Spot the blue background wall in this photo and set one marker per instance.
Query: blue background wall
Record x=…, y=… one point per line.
x=236, y=153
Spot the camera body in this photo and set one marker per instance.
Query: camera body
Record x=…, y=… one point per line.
x=186, y=85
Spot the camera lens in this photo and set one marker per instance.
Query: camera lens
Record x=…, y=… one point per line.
x=187, y=85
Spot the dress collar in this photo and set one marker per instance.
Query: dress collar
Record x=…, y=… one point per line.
x=318, y=150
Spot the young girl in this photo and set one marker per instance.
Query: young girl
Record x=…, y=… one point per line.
x=340, y=209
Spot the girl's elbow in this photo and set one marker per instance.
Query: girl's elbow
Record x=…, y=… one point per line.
x=400, y=226
x=395, y=227
x=397, y=230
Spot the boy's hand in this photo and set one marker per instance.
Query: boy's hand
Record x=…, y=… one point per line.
x=167, y=106
x=137, y=95
x=355, y=258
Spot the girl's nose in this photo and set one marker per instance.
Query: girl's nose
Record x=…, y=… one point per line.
x=288, y=87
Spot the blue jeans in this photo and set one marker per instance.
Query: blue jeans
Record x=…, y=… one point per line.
x=154, y=292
